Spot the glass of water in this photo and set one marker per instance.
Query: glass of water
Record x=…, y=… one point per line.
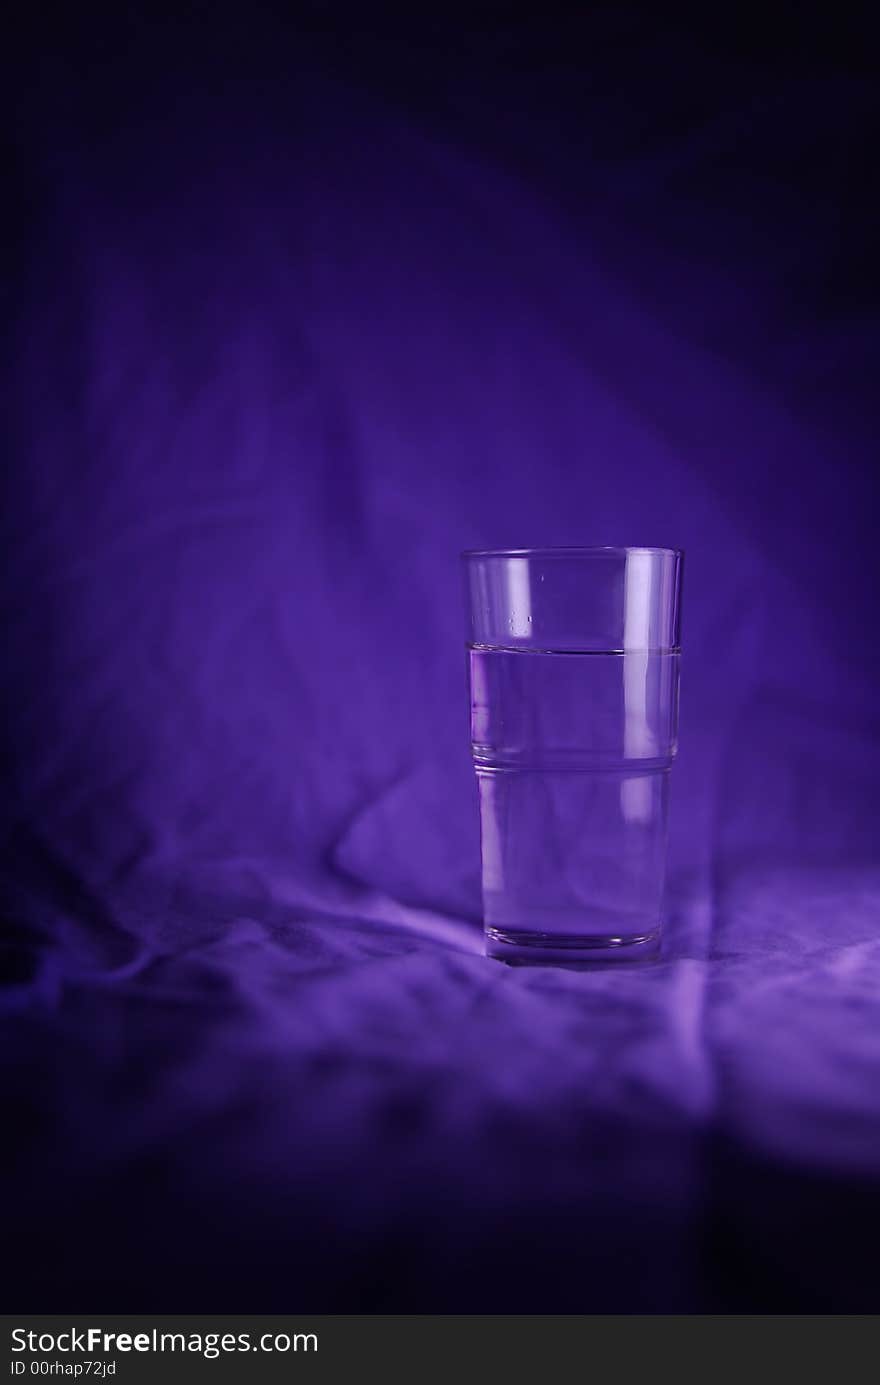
x=573, y=671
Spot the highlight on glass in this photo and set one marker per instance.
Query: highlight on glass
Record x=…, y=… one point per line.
x=573, y=658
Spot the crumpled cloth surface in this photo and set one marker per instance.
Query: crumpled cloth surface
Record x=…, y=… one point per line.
x=279, y=361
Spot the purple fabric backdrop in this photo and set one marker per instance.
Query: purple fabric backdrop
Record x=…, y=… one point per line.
x=302, y=310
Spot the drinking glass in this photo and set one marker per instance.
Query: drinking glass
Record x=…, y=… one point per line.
x=573, y=671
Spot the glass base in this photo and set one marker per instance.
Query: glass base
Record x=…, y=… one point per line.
x=555, y=949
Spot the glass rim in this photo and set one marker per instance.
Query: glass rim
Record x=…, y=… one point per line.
x=567, y=552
